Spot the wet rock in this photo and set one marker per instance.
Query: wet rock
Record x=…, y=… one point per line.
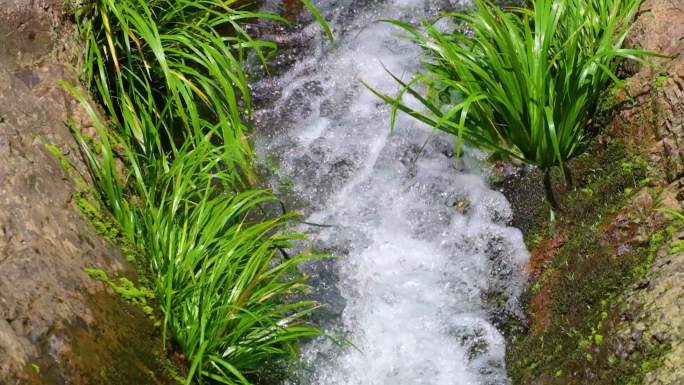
x=523, y=189
x=461, y=206
x=633, y=225
x=57, y=325
x=544, y=252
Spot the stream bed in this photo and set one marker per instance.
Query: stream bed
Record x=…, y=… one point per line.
x=426, y=264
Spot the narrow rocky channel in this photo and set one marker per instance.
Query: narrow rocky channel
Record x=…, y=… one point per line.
x=425, y=260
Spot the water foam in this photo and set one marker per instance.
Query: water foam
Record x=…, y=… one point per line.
x=421, y=240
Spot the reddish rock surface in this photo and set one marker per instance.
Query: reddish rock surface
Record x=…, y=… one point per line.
x=654, y=121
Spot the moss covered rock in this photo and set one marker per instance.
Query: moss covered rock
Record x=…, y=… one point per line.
x=57, y=324
x=605, y=302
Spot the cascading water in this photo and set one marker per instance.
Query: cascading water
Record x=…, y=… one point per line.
x=425, y=260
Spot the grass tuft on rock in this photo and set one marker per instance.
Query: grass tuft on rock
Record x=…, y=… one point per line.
x=520, y=83
x=172, y=164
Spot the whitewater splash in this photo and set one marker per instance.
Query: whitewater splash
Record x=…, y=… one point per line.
x=425, y=258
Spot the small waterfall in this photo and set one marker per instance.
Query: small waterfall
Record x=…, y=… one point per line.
x=421, y=241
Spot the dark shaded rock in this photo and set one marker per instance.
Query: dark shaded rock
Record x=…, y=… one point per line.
x=522, y=186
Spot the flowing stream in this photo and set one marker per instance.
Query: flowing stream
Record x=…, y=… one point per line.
x=426, y=264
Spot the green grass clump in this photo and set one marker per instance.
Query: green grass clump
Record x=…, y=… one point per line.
x=523, y=83
x=173, y=165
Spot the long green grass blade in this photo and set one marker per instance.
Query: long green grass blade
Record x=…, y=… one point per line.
x=522, y=83
x=173, y=165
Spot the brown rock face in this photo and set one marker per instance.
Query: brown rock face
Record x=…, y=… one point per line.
x=608, y=306
x=33, y=31
x=655, y=121
x=660, y=107
x=57, y=325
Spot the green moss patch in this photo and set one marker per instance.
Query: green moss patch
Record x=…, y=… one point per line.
x=606, y=240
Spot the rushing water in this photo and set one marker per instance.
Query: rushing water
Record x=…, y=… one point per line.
x=425, y=261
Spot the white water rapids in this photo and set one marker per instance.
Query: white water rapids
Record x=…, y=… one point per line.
x=425, y=259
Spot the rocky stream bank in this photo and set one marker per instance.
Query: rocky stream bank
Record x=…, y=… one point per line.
x=605, y=303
